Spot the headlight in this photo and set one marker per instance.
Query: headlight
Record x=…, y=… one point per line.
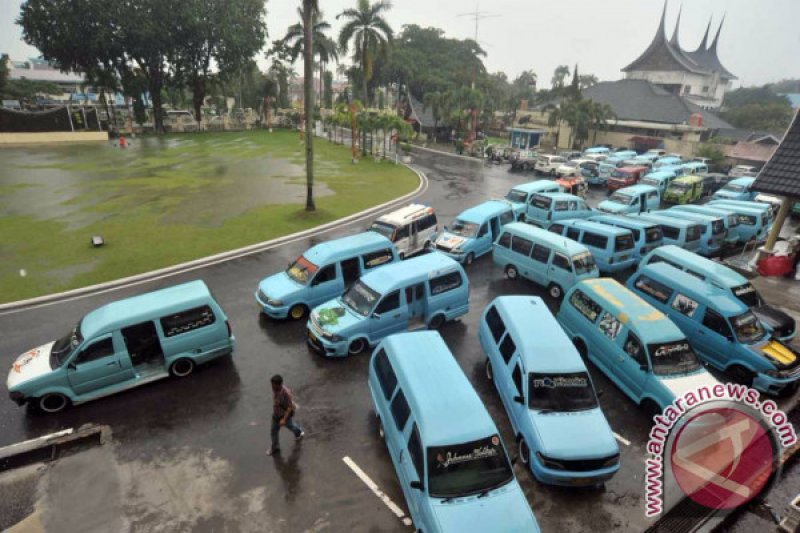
x=331, y=336
x=549, y=463
x=456, y=250
x=274, y=303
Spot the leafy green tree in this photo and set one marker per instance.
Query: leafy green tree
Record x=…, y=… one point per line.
x=370, y=34
x=712, y=152
x=437, y=103
x=281, y=71
x=587, y=80
x=774, y=116
x=324, y=47
x=559, y=76
x=309, y=8
x=327, y=95
x=28, y=91
x=3, y=72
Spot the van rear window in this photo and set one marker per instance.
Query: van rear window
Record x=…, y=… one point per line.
x=653, y=235
x=542, y=202
x=670, y=232
x=718, y=227
x=385, y=373
x=747, y=220
x=445, y=283
x=623, y=242
x=694, y=233
x=595, y=240
x=188, y=320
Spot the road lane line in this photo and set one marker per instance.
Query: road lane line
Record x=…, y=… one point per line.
x=622, y=439
x=398, y=512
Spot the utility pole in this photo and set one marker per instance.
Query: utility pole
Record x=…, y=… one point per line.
x=477, y=15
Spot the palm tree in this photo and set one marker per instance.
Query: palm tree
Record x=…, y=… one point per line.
x=370, y=34
x=600, y=115
x=323, y=46
x=554, y=119
x=309, y=8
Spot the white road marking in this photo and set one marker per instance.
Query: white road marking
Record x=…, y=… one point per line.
x=377, y=491
x=622, y=439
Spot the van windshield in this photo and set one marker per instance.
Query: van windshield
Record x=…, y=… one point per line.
x=650, y=181
x=732, y=187
x=560, y=392
x=748, y=295
x=748, y=328
x=463, y=229
x=387, y=230
x=675, y=357
x=517, y=197
x=64, y=346
x=621, y=198
x=469, y=468
x=583, y=263
x=718, y=227
x=623, y=242
x=679, y=188
x=302, y=270
x=360, y=298
x=653, y=235
x=747, y=220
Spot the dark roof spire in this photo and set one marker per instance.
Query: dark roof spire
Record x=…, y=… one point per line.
x=674, y=40
x=704, y=43
x=713, y=47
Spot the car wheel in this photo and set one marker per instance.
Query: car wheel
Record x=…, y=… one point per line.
x=651, y=409
x=741, y=375
x=357, y=346
x=554, y=290
x=524, y=452
x=182, y=367
x=469, y=259
x=53, y=403
x=511, y=272
x=436, y=322
x=489, y=371
x=298, y=311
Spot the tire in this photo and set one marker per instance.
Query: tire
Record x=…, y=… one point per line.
x=469, y=259
x=524, y=452
x=53, y=403
x=357, y=347
x=298, y=311
x=512, y=272
x=489, y=371
x=182, y=367
x=555, y=291
x=741, y=375
x=436, y=322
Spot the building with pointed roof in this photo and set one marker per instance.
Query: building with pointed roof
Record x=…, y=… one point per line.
x=697, y=76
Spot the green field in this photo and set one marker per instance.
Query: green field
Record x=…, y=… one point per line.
x=167, y=200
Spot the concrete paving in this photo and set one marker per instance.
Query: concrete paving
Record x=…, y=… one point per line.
x=190, y=454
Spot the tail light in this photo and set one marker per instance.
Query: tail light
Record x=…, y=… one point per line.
x=230, y=330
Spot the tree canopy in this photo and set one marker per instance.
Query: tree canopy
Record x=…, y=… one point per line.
x=757, y=108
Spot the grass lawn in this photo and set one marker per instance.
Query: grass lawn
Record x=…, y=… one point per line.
x=165, y=201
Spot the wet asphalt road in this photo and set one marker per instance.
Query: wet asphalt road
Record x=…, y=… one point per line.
x=191, y=453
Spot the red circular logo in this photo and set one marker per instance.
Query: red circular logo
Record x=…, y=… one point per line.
x=722, y=458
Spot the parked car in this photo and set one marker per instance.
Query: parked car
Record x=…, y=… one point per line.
x=524, y=160
x=624, y=154
x=570, y=155
x=564, y=438
x=704, y=160
x=655, y=153
x=596, y=157
x=548, y=164
x=667, y=160
x=625, y=177
x=773, y=202
x=575, y=186
x=722, y=330
x=411, y=229
x=646, y=235
x=601, y=150
x=640, y=350
x=634, y=199
x=442, y=442
x=720, y=180
x=546, y=208
x=122, y=345
x=569, y=168
x=474, y=230
x=684, y=190
x=659, y=179
x=694, y=168
x=741, y=171
x=520, y=195
x=542, y=257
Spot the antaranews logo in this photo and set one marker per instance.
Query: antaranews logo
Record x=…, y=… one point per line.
x=719, y=445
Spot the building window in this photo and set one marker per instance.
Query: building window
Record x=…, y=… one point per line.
x=705, y=88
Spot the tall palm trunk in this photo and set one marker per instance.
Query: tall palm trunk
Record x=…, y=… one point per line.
x=308, y=101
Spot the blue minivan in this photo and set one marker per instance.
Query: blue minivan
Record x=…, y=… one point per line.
x=562, y=434
x=542, y=257
x=714, y=234
x=634, y=344
x=634, y=199
x=647, y=236
x=753, y=221
x=424, y=291
x=450, y=460
x=612, y=247
x=730, y=220
x=472, y=233
x=546, y=208
x=725, y=333
x=683, y=233
x=520, y=195
x=737, y=189
x=323, y=272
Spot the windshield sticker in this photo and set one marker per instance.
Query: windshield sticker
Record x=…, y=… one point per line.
x=552, y=383
x=330, y=316
x=744, y=289
x=454, y=458
x=25, y=359
x=667, y=350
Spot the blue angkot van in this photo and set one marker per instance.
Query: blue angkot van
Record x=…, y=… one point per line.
x=122, y=345
x=683, y=233
x=450, y=460
x=753, y=219
x=646, y=235
x=424, y=291
x=562, y=434
x=546, y=208
x=520, y=195
x=714, y=234
x=612, y=247
x=660, y=179
x=730, y=220
x=737, y=189
x=632, y=343
x=723, y=331
x=472, y=233
x=634, y=199
x=323, y=272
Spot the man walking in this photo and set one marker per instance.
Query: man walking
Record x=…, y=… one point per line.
x=282, y=413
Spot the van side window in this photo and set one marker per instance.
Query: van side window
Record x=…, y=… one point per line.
x=670, y=232
x=415, y=450
x=428, y=221
x=541, y=253
x=506, y=217
x=684, y=305
x=522, y=246
x=326, y=274
x=696, y=274
x=373, y=259
x=507, y=348
x=445, y=283
x=633, y=347
x=658, y=259
x=400, y=410
x=96, y=351
x=390, y=302
x=656, y=289
x=573, y=233
x=516, y=376
x=609, y=325
x=401, y=233
x=495, y=323
x=585, y=305
x=593, y=239
x=715, y=322
x=504, y=240
x=187, y=320
x=385, y=373
x=561, y=206
x=561, y=261
x=558, y=229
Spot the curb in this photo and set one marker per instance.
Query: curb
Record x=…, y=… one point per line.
x=468, y=158
x=51, y=447
x=195, y=264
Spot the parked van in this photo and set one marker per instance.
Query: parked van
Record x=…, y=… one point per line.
x=684, y=190
x=450, y=460
x=547, y=164
x=761, y=207
x=683, y=233
x=655, y=153
x=542, y=257
x=425, y=291
x=633, y=199
x=625, y=177
x=738, y=189
x=667, y=160
x=773, y=202
x=740, y=171
x=602, y=150
x=562, y=434
x=597, y=158
x=754, y=222
x=472, y=233
x=694, y=168
x=624, y=154
x=713, y=237
x=724, y=332
x=612, y=247
x=411, y=229
x=632, y=343
x=546, y=208
x=730, y=220
x=646, y=235
x=575, y=186
x=323, y=272
x=122, y=345
x=520, y=195
x=604, y=171
x=659, y=179
x=780, y=324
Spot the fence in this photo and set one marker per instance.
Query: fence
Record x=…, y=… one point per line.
x=62, y=118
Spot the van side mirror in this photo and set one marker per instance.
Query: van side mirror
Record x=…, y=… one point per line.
x=417, y=485
x=519, y=399
x=376, y=315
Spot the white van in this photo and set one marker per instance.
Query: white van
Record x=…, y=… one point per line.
x=411, y=229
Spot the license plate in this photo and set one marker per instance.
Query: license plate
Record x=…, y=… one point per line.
x=581, y=480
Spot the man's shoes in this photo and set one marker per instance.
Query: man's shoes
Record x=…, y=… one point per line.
x=273, y=451
x=300, y=436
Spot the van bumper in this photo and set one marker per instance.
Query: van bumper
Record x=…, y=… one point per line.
x=565, y=478
x=17, y=397
x=270, y=311
x=773, y=385
x=325, y=347
x=617, y=266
